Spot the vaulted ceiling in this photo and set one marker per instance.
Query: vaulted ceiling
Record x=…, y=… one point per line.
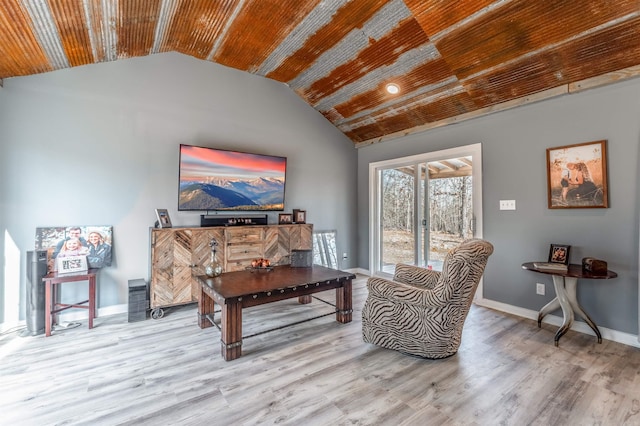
x=451, y=60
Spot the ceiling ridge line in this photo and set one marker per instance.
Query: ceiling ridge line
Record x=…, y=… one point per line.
x=51, y=46
x=167, y=13
x=320, y=16
x=225, y=30
x=450, y=81
x=109, y=26
x=352, y=44
x=469, y=19
x=90, y=29
x=416, y=58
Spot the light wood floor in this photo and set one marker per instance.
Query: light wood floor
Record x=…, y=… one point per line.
x=170, y=372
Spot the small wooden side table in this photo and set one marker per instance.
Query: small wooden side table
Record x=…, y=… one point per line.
x=51, y=282
x=565, y=284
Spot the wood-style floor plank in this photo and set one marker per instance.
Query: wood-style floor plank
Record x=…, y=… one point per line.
x=170, y=372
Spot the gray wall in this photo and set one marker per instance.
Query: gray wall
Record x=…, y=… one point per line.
x=514, y=146
x=98, y=145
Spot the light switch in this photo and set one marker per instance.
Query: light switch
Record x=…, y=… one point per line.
x=507, y=204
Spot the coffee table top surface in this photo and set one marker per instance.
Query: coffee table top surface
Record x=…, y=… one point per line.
x=242, y=283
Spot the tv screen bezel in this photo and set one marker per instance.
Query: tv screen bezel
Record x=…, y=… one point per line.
x=232, y=209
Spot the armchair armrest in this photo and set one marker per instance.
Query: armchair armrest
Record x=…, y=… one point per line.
x=399, y=292
x=415, y=275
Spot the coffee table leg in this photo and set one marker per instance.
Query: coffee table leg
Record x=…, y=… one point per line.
x=206, y=306
x=303, y=300
x=231, y=331
x=343, y=303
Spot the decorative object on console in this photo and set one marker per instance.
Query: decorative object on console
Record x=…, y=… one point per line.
x=594, y=266
x=557, y=267
x=325, y=251
x=301, y=258
x=577, y=176
x=164, y=221
x=299, y=216
x=214, y=220
x=285, y=218
x=71, y=264
x=559, y=253
x=92, y=242
x=260, y=264
x=214, y=268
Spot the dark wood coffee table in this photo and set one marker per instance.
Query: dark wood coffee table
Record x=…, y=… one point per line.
x=234, y=291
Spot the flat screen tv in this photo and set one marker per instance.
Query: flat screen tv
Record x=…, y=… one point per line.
x=217, y=179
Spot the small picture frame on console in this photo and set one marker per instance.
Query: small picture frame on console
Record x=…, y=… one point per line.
x=559, y=253
x=164, y=221
x=299, y=216
x=285, y=218
x=71, y=264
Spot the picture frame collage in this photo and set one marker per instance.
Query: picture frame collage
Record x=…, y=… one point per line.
x=298, y=216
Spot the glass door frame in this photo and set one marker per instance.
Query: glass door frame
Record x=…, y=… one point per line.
x=375, y=169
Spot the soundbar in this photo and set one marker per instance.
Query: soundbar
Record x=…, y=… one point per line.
x=215, y=220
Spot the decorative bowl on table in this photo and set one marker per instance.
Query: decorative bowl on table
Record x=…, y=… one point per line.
x=260, y=265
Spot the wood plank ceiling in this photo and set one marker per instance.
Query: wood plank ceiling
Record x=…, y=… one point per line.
x=450, y=59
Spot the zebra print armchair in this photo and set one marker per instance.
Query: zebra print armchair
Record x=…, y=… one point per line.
x=421, y=312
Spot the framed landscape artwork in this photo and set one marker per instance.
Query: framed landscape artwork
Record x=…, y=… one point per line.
x=577, y=176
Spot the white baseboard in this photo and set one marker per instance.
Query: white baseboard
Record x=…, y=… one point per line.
x=579, y=326
x=72, y=316
x=6, y=327
x=102, y=312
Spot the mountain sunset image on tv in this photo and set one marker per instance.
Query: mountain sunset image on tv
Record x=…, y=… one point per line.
x=216, y=179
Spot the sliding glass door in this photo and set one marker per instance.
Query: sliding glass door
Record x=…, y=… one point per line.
x=422, y=206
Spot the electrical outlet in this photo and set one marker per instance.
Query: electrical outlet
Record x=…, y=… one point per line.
x=540, y=289
x=344, y=256
x=507, y=204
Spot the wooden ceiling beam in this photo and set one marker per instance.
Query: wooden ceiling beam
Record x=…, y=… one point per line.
x=448, y=165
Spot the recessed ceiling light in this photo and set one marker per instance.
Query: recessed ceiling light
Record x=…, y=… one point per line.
x=393, y=88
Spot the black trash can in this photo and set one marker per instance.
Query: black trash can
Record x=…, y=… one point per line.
x=138, y=300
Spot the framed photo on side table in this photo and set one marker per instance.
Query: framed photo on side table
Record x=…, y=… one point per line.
x=577, y=176
x=559, y=253
x=164, y=221
x=299, y=216
x=285, y=218
x=71, y=264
